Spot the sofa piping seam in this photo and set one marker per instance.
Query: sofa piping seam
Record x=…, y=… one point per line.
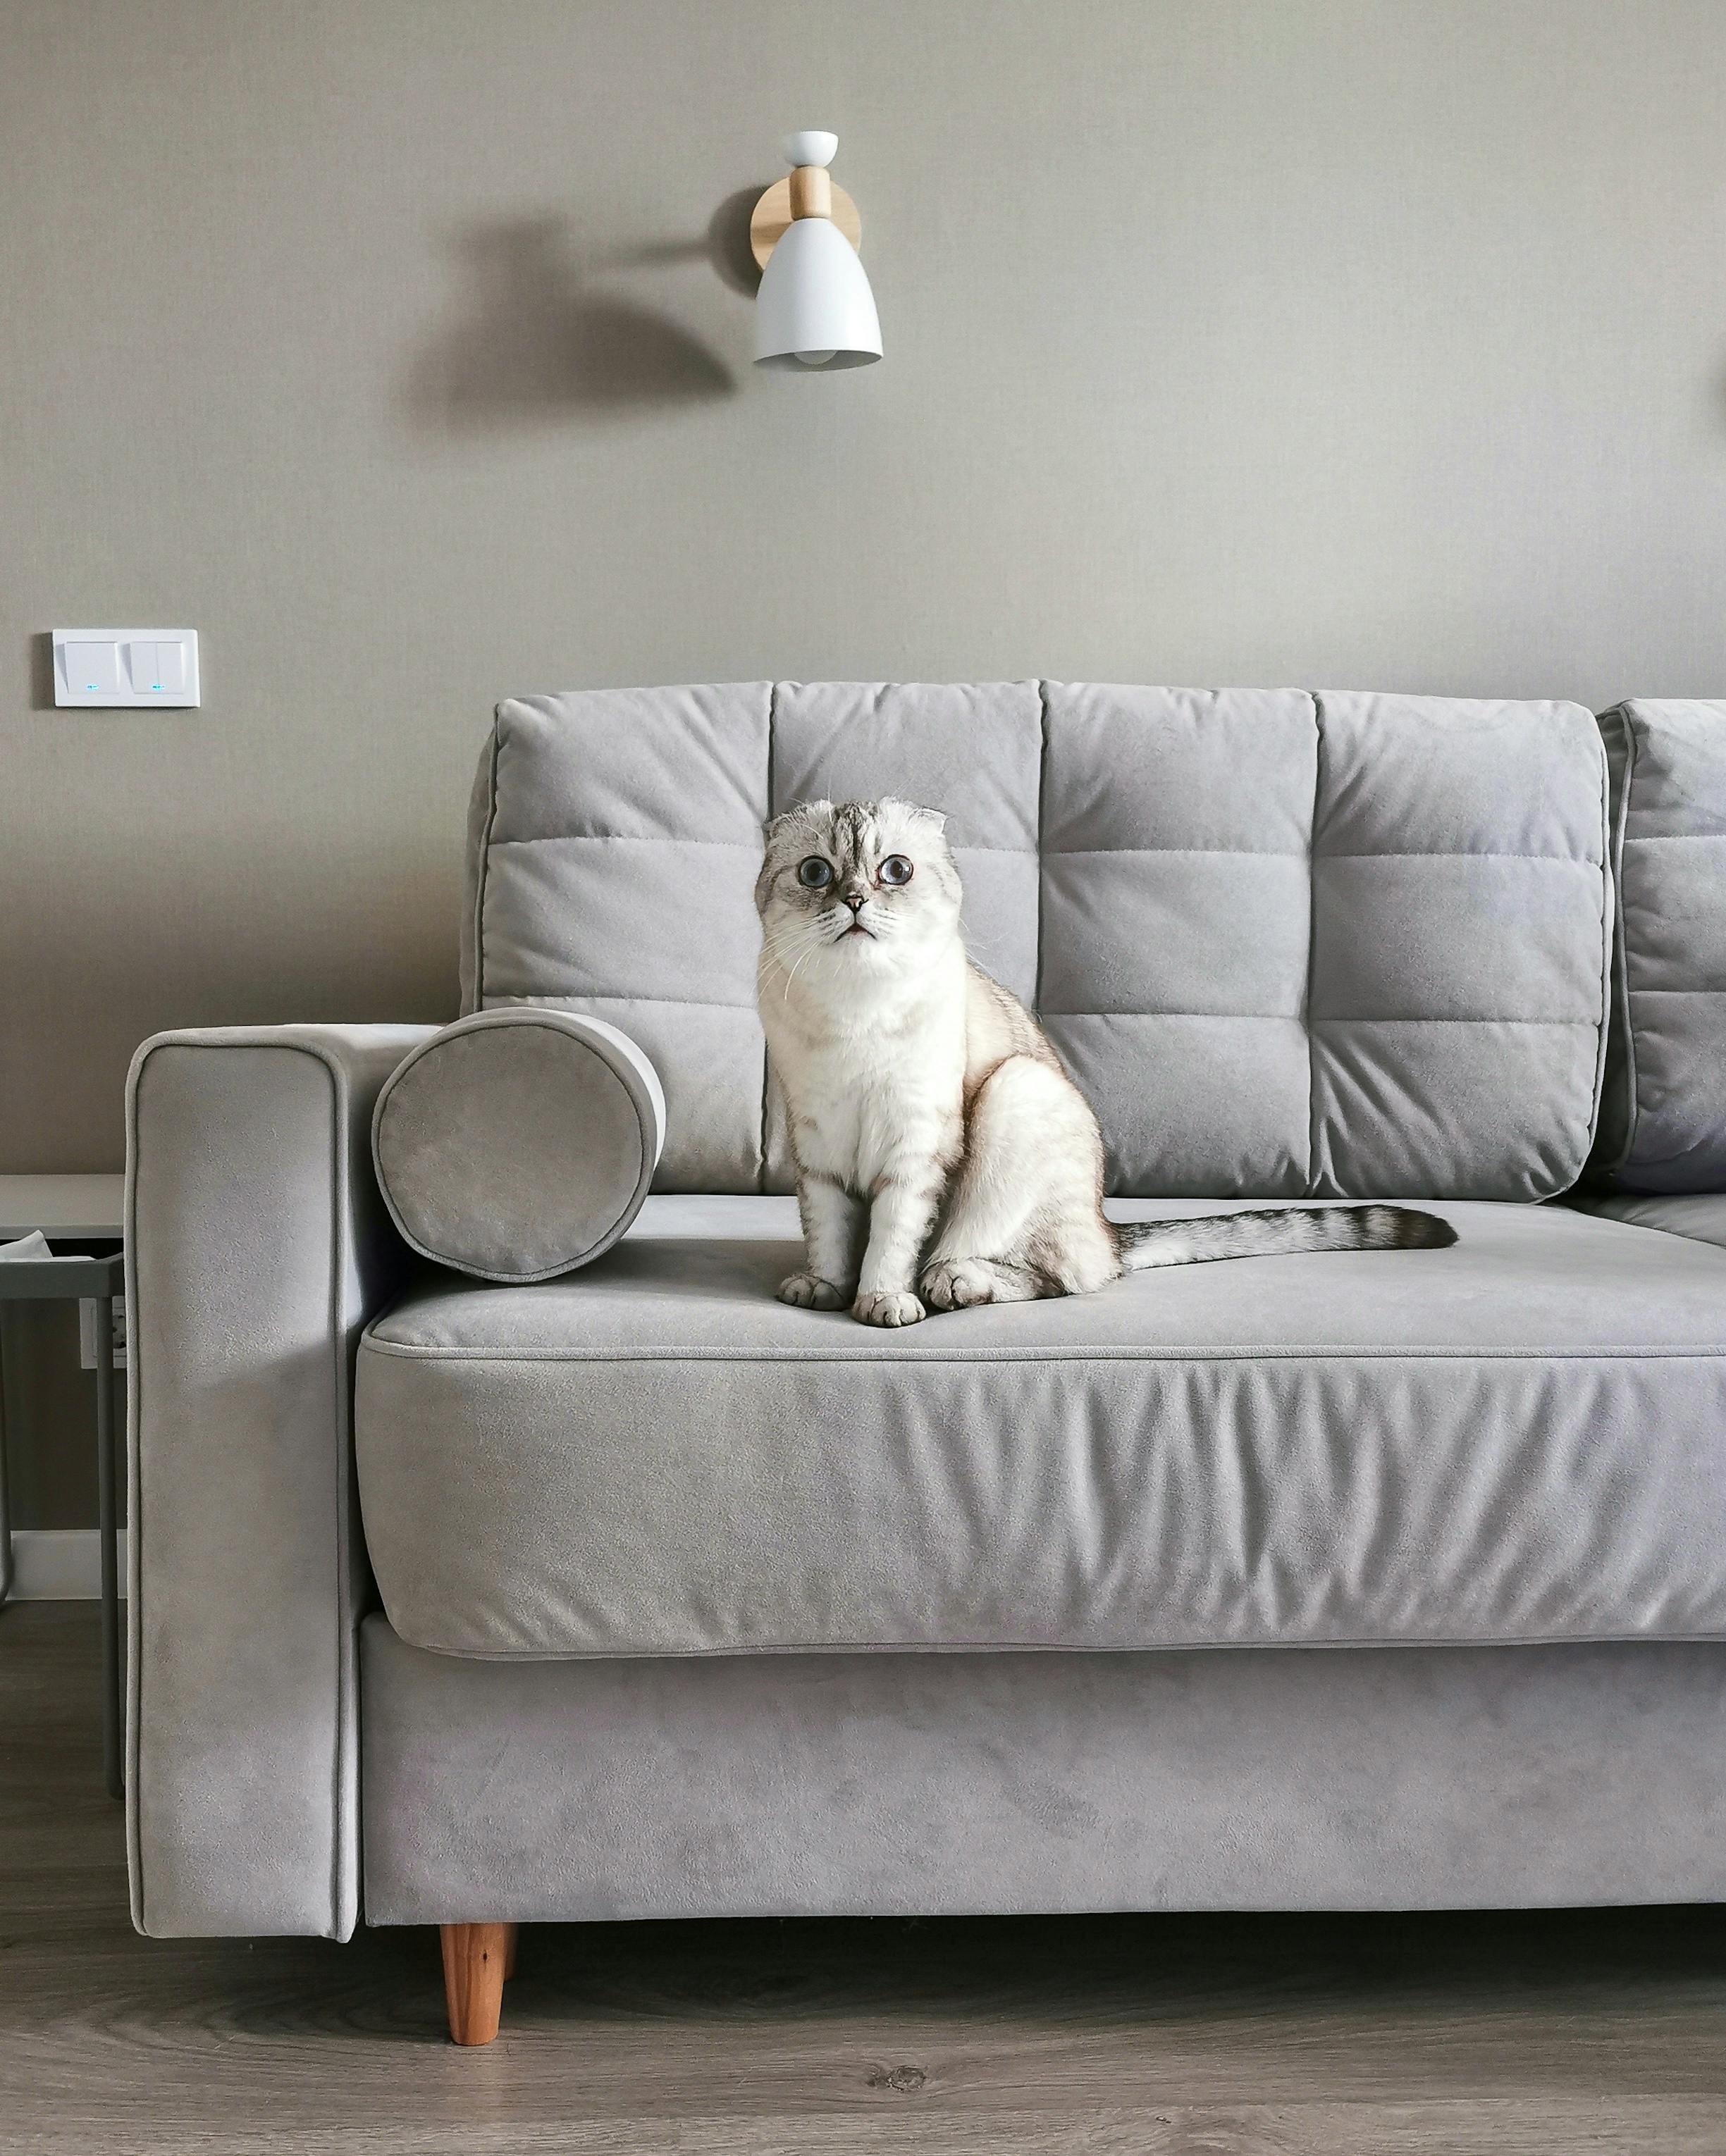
x=409, y=1352
x=341, y=1117
x=1619, y=1000
x=1307, y=1020
x=133, y=1732
x=1609, y=903
x=343, y=1403
x=1375, y=1643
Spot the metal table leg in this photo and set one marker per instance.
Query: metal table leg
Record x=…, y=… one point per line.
x=107, y=1513
x=5, y=1564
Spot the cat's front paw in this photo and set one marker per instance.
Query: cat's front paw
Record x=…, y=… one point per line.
x=810, y=1291
x=888, y=1306
x=957, y=1283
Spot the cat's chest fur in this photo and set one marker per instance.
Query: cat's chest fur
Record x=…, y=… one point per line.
x=864, y=1089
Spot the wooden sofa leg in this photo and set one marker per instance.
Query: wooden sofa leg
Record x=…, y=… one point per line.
x=477, y=1957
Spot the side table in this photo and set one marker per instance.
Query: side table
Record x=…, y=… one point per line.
x=80, y=1208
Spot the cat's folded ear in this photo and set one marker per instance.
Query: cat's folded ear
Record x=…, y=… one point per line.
x=934, y=817
x=802, y=812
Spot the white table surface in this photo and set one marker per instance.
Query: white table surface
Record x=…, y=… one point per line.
x=62, y=1205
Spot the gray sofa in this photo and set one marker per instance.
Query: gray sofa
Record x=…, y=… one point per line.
x=1356, y=1581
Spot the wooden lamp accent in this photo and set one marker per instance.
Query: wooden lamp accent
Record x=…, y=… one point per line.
x=774, y=213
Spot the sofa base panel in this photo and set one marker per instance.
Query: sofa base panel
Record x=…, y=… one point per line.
x=967, y=1784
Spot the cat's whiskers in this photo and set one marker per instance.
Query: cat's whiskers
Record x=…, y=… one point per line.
x=774, y=943
x=820, y=943
x=803, y=938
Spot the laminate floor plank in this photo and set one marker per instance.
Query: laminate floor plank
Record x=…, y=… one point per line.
x=1560, y=2033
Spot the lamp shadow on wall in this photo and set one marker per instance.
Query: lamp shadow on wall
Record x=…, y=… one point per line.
x=536, y=340
x=42, y=671
x=728, y=248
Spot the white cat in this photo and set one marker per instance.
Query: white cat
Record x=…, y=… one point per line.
x=943, y=1156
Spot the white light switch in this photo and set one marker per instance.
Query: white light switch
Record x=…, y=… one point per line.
x=92, y=669
x=160, y=667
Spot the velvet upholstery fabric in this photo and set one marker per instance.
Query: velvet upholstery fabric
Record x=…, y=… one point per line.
x=618, y=835
x=518, y=1144
x=632, y=1502
x=1703, y=1218
x=1340, y=945
x=1521, y=1438
x=256, y=1245
x=1663, y=1118
x=901, y=1784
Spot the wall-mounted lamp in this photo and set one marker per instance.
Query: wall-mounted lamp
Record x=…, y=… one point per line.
x=814, y=308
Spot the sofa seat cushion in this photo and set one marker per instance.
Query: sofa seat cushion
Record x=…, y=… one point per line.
x=1519, y=1438
x=1703, y=1217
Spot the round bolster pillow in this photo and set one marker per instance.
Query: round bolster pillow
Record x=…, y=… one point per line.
x=518, y=1143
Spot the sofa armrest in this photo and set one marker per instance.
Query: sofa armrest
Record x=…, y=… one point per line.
x=257, y=1246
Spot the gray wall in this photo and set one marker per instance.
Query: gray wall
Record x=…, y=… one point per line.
x=1377, y=346
x=382, y=342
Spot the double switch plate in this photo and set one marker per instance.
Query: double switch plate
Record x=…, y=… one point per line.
x=116, y=669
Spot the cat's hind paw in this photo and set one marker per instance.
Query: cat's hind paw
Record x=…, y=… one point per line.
x=888, y=1306
x=810, y=1291
x=958, y=1283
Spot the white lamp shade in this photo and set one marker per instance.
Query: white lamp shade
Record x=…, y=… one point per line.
x=814, y=298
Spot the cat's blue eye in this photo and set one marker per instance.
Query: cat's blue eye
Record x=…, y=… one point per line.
x=815, y=874
x=895, y=870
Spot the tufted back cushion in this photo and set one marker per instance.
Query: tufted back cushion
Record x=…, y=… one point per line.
x=1288, y=944
x=1663, y=1120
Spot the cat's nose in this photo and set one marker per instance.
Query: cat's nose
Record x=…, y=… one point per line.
x=856, y=900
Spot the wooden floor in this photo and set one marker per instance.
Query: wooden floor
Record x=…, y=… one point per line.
x=1354, y=2036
